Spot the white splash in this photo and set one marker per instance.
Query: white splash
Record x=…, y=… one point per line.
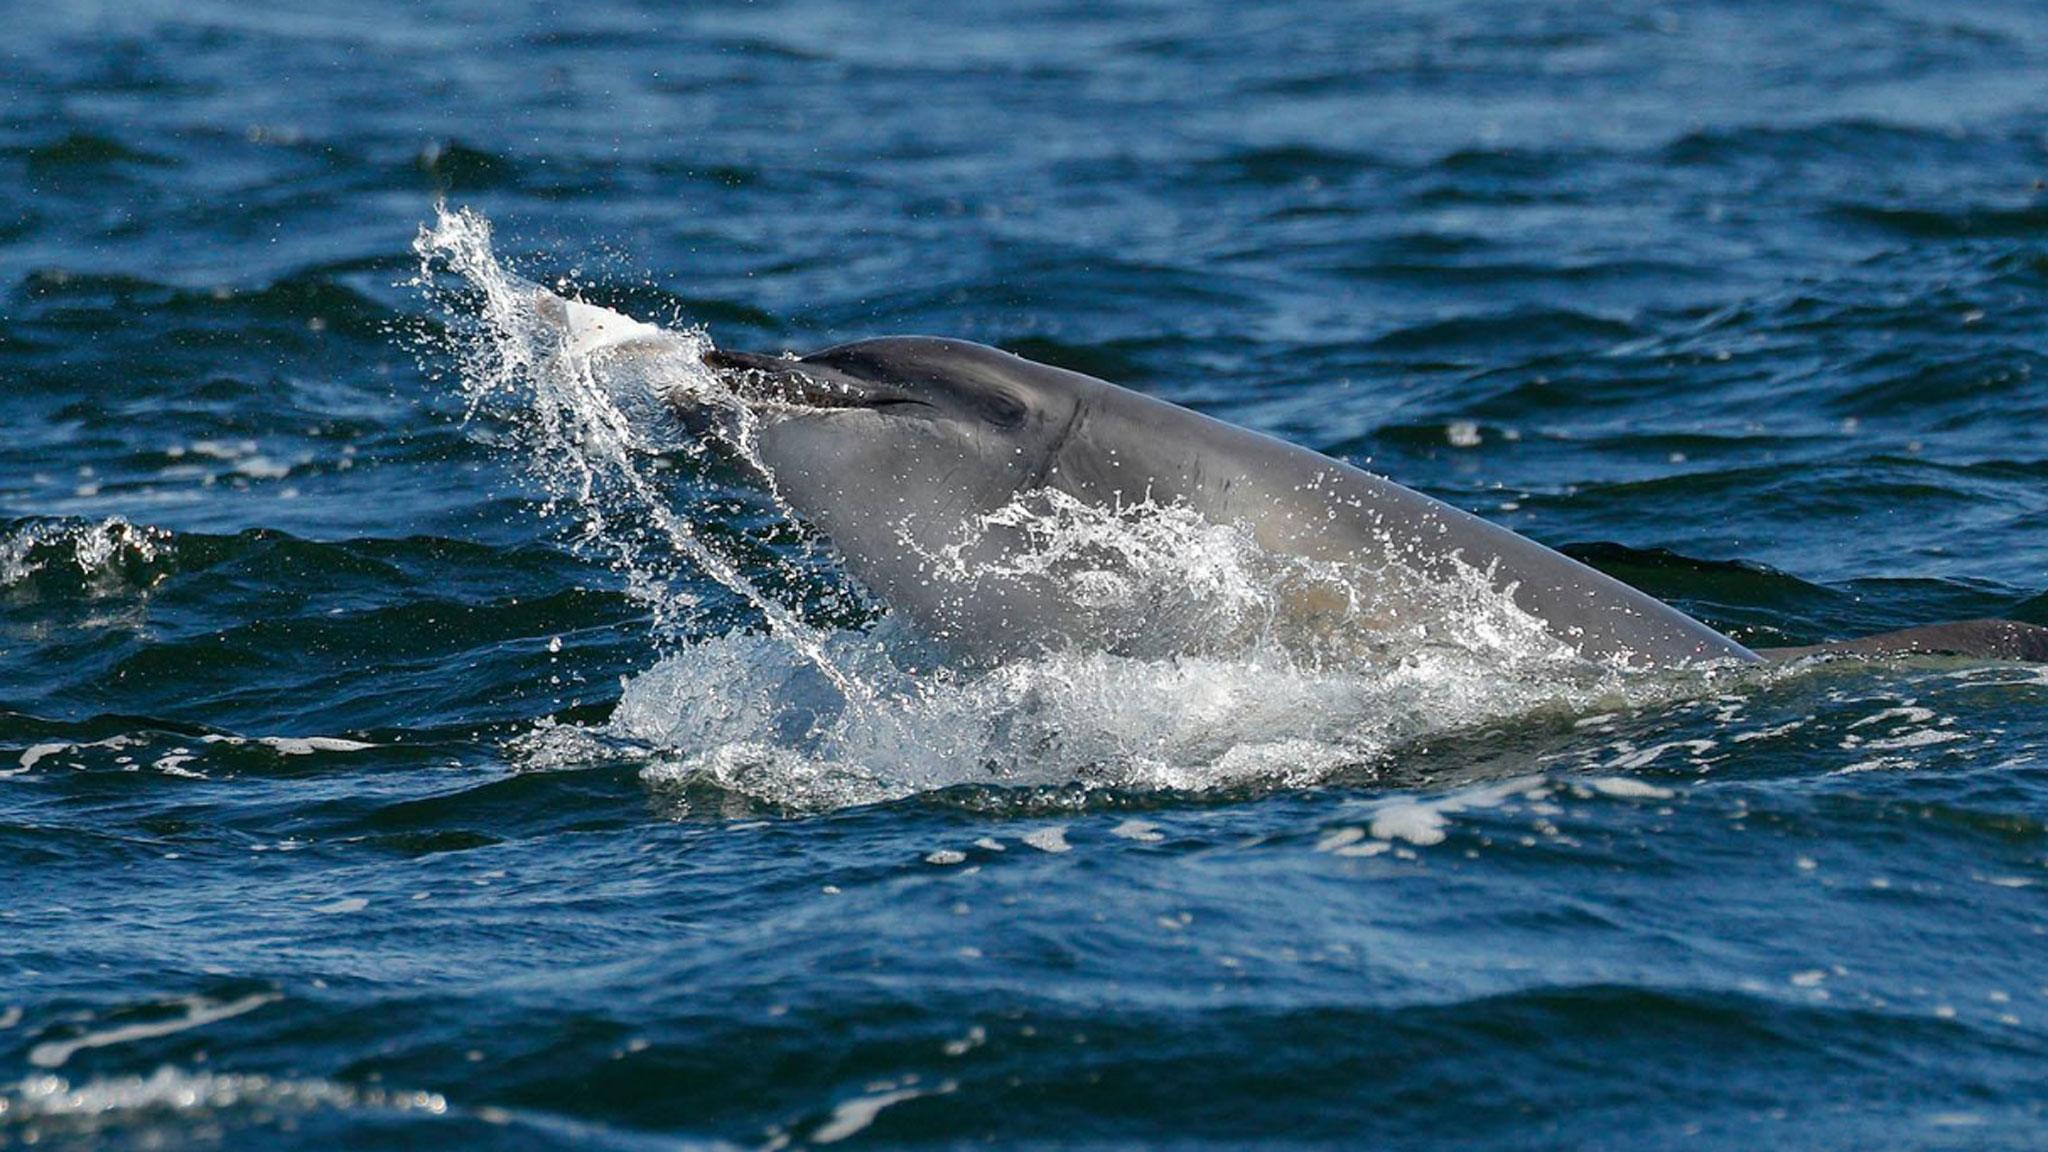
x=97, y=552
x=1163, y=581
x=743, y=713
x=592, y=392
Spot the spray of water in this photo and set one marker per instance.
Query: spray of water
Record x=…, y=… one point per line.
x=1246, y=670
x=592, y=391
x=1160, y=581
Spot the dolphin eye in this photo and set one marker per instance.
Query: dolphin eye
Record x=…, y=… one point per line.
x=1000, y=408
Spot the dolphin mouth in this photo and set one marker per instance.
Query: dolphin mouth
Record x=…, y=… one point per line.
x=781, y=383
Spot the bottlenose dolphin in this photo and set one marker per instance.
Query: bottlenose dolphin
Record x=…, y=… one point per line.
x=901, y=447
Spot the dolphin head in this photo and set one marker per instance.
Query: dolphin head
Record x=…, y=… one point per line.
x=973, y=392
x=895, y=447
x=904, y=422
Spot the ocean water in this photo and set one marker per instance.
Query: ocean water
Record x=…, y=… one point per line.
x=408, y=738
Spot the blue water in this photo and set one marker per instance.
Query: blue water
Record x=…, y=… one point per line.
x=354, y=791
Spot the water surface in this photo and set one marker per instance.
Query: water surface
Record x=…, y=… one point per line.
x=360, y=790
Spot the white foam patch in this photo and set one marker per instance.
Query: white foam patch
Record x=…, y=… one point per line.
x=1419, y=824
x=178, y=760
x=850, y=1117
x=49, y=1097
x=1874, y=764
x=975, y=1038
x=1770, y=733
x=307, y=745
x=1909, y=712
x=1919, y=738
x=1050, y=839
x=1424, y=822
x=1635, y=759
x=291, y=745
x=1337, y=838
x=1141, y=830
x=1625, y=786
x=263, y=468
x=37, y=753
x=1350, y=841
x=174, y=765
x=199, y=1011
x=2008, y=881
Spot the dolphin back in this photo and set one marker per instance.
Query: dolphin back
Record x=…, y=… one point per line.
x=871, y=489
x=1129, y=447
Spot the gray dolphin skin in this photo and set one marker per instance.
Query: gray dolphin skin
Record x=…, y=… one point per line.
x=896, y=447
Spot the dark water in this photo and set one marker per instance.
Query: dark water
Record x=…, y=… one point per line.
x=318, y=826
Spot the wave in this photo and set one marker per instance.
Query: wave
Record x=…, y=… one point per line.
x=174, y=1106
x=88, y=150
x=1950, y=222
x=236, y=627
x=1814, y=144
x=317, y=295
x=1528, y=329
x=1284, y=165
x=452, y=164
x=58, y=557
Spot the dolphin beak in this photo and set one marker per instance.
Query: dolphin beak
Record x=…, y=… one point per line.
x=780, y=382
